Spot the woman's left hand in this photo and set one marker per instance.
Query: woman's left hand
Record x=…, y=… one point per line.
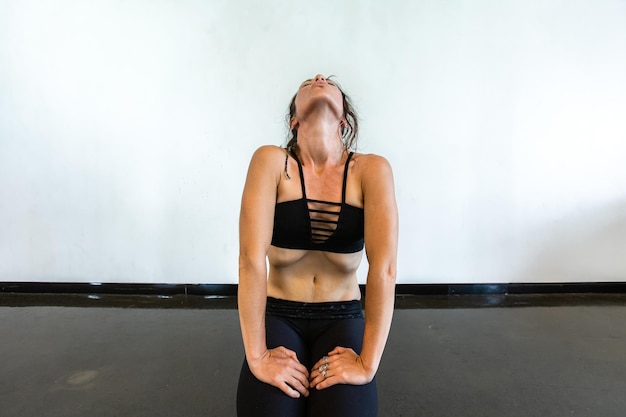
x=341, y=366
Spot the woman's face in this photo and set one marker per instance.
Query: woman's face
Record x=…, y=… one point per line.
x=315, y=91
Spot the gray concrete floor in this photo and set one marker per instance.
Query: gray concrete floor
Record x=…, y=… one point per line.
x=446, y=356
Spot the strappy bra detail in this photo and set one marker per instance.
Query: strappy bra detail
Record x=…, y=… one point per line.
x=317, y=224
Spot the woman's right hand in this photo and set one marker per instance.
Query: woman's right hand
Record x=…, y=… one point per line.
x=281, y=368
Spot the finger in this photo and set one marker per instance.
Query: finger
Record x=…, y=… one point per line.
x=316, y=367
x=298, y=371
x=300, y=381
x=339, y=350
x=292, y=383
x=301, y=369
x=319, y=378
x=283, y=352
x=291, y=353
x=294, y=362
x=288, y=389
x=322, y=383
x=314, y=375
x=286, y=353
x=300, y=386
x=323, y=361
x=317, y=371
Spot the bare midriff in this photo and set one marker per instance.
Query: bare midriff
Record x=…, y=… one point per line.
x=313, y=276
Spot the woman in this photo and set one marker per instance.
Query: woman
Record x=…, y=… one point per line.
x=308, y=211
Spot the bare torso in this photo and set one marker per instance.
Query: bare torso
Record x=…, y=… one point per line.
x=313, y=276
x=309, y=275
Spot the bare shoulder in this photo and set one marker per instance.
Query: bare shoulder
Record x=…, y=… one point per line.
x=267, y=159
x=268, y=153
x=265, y=167
x=372, y=166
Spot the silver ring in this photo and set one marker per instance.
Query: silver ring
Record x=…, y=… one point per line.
x=323, y=368
x=324, y=373
x=325, y=360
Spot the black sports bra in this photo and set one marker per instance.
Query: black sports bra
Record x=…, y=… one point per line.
x=319, y=225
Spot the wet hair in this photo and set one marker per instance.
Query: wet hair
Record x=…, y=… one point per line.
x=349, y=131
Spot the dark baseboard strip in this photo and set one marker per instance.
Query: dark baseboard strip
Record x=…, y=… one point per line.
x=119, y=288
x=568, y=288
x=514, y=288
x=226, y=290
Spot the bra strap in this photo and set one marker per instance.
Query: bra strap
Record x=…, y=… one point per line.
x=345, y=178
x=301, y=174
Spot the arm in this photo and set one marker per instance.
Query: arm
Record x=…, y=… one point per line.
x=381, y=241
x=255, y=233
x=278, y=367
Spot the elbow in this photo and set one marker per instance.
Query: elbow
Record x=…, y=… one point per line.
x=389, y=273
x=385, y=273
x=244, y=262
x=250, y=266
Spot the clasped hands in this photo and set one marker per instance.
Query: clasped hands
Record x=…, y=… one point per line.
x=281, y=368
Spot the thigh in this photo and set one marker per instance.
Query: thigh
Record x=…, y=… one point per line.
x=342, y=400
x=258, y=399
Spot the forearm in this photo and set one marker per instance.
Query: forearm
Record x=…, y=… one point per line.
x=251, y=299
x=379, y=306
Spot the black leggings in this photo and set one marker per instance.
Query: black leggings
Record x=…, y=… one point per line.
x=311, y=330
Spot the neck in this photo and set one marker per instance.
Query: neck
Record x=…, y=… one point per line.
x=319, y=141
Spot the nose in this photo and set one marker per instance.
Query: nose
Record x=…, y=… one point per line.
x=320, y=77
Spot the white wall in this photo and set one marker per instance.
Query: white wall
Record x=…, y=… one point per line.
x=126, y=128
